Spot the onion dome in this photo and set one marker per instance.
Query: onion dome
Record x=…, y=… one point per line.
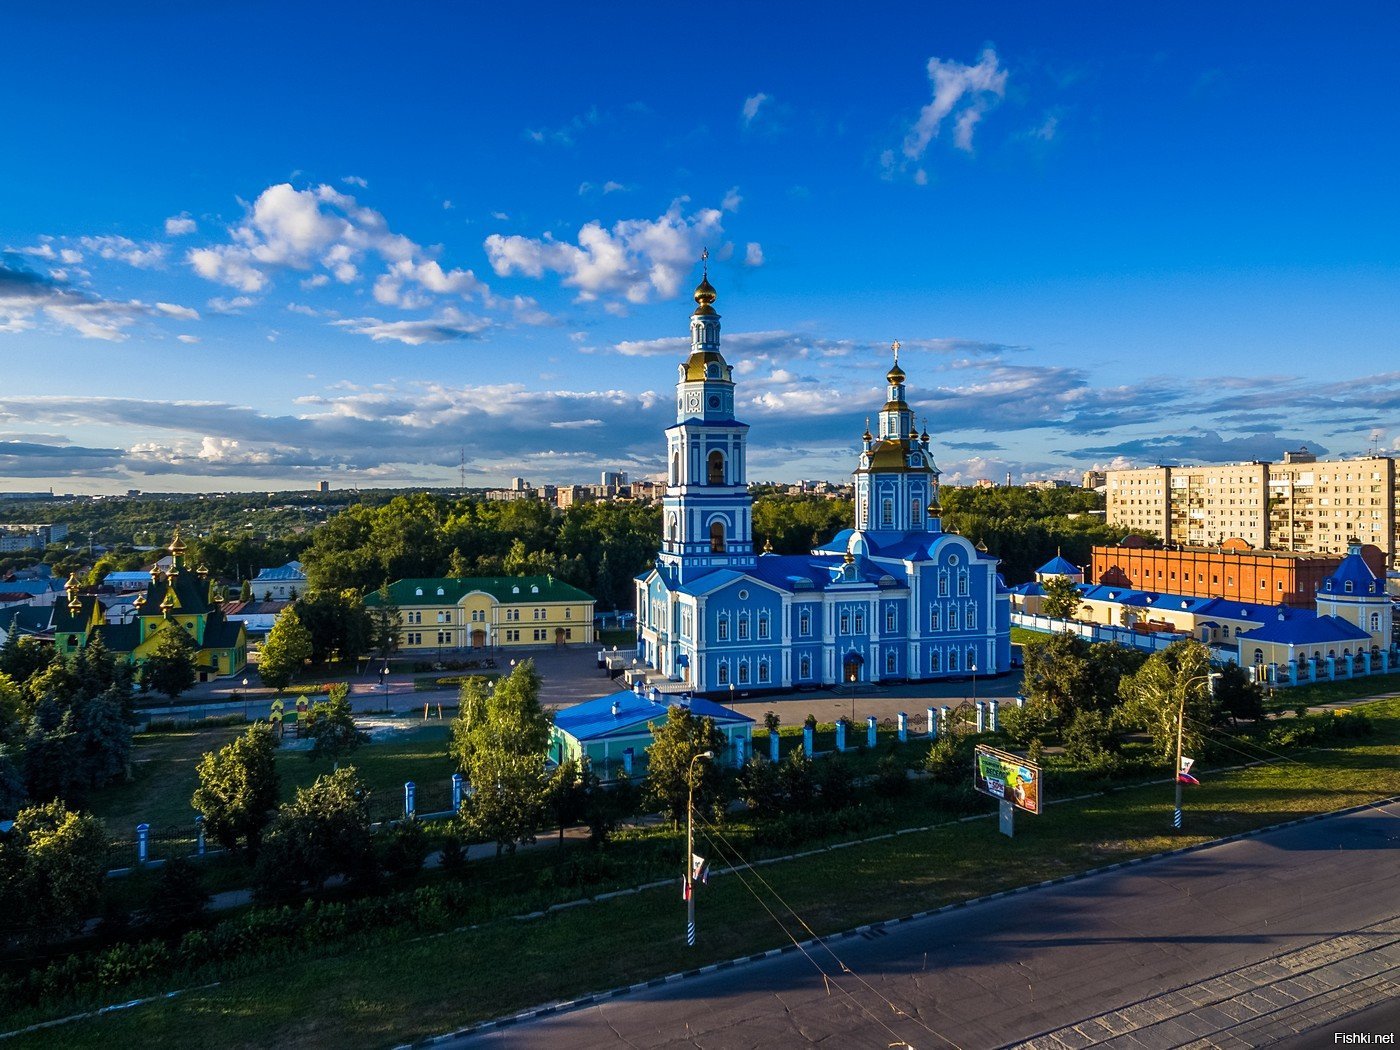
x=934, y=510
x=138, y=601
x=768, y=545
x=202, y=572
x=75, y=604
x=167, y=603
x=924, y=436
x=177, y=545
x=895, y=375
x=705, y=295
x=982, y=546
x=72, y=584
x=867, y=435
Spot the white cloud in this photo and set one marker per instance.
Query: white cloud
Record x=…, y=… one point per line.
x=235, y=305
x=451, y=324
x=1047, y=130
x=355, y=180
x=179, y=225
x=753, y=254
x=964, y=93
x=636, y=259
x=123, y=249
x=191, y=339
x=752, y=105
x=25, y=295
x=568, y=133
x=732, y=200
x=614, y=187
x=329, y=235
x=172, y=310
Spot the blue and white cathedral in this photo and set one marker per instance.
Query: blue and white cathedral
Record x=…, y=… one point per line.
x=893, y=599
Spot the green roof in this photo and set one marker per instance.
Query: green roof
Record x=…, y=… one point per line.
x=508, y=590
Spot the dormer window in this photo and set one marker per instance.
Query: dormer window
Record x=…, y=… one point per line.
x=1347, y=586
x=441, y=592
x=515, y=590
x=534, y=588
x=418, y=591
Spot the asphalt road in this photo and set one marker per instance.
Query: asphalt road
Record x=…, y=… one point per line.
x=1245, y=944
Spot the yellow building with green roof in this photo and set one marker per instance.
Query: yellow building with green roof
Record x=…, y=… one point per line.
x=489, y=612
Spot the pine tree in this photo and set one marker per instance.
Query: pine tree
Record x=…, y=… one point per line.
x=170, y=667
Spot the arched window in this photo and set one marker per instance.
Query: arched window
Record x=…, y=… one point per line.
x=891, y=661
x=671, y=528
x=743, y=626
x=804, y=623
x=743, y=674
x=716, y=537
x=763, y=670
x=887, y=513
x=952, y=659
x=1375, y=621
x=1258, y=657
x=723, y=673
x=933, y=661
x=715, y=463
x=804, y=667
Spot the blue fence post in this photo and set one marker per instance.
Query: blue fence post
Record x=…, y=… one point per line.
x=945, y=714
x=807, y=741
x=143, y=842
x=981, y=716
x=409, y=804
x=840, y=734
x=774, y=741
x=903, y=727
x=933, y=723
x=870, y=731
x=992, y=706
x=199, y=834
x=457, y=781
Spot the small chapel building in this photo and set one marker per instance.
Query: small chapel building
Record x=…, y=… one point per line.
x=892, y=599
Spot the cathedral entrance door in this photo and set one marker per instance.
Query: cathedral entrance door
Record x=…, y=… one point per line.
x=478, y=639
x=852, y=666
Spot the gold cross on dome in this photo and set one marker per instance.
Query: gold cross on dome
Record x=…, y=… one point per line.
x=895, y=347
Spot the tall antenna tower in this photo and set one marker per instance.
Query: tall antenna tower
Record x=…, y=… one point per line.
x=462, y=465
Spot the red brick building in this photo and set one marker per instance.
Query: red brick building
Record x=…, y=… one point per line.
x=1232, y=570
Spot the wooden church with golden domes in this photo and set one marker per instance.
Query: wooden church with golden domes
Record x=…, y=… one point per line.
x=894, y=598
x=180, y=598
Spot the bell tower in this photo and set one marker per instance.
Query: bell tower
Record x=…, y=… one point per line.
x=896, y=481
x=707, y=513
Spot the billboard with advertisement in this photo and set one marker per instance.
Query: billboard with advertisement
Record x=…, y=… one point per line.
x=1007, y=777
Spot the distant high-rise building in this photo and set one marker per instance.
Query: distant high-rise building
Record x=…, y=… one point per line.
x=518, y=484
x=1300, y=504
x=1093, y=479
x=613, y=479
x=323, y=486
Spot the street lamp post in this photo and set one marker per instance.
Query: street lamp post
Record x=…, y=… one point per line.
x=731, y=696
x=245, y=699
x=1180, y=733
x=690, y=847
x=972, y=666
x=384, y=684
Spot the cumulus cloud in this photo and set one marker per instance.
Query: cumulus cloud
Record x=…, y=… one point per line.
x=179, y=225
x=962, y=94
x=236, y=305
x=190, y=339
x=635, y=260
x=330, y=236
x=753, y=254
x=355, y=180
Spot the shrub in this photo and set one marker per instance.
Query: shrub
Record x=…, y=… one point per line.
x=891, y=779
x=403, y=847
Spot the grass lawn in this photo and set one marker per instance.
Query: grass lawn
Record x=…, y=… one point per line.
x=1317, y=693
x=622, y=639
x=418, y=754
x=400, y=989
x=1020, y=635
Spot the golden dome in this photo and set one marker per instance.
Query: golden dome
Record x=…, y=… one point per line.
x=768, y=545
x=696, y=365
x=72, y=584
x=934, y=510
x=704, y=296
x=177, y=545
x=895, y=374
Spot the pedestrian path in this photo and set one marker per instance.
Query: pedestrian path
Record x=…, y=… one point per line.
x=1256, y=1005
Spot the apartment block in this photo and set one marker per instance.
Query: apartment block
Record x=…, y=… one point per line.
x=1298, y=504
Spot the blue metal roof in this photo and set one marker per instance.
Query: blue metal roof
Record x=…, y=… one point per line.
x=1058, y=566
x=594, y=719
x=1355, y=571
x=122, y=579
x=290, y=572
x=1305, y=628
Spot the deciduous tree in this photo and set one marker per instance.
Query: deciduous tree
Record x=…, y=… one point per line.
x=238, y=788
x=323, y=832
x=331, y=726
x=286, y=650
x=169, y=668
x=671, y=770
x=51, y=870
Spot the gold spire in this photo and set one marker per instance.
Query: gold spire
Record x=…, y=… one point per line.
x=768, y=545
x=177, y=545
x=867, y=436
x=934, y=510
x=72, y=584
x=896, y=374
x=167, y=603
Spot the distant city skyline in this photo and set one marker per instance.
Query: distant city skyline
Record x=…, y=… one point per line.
x=254, y=248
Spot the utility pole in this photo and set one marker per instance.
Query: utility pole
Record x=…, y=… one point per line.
x=1180, y=732
x=690, y=847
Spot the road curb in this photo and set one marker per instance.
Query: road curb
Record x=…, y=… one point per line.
x=536, y=1013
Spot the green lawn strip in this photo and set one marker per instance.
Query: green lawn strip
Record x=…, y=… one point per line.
x=419, y=755
x=1022, y=635
x=622, y=639
x=1317, y=693
x=402, y=989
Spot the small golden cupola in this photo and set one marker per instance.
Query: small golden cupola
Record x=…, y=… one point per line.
x=167, y=603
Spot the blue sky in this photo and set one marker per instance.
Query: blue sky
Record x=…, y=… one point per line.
x=258, y=245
